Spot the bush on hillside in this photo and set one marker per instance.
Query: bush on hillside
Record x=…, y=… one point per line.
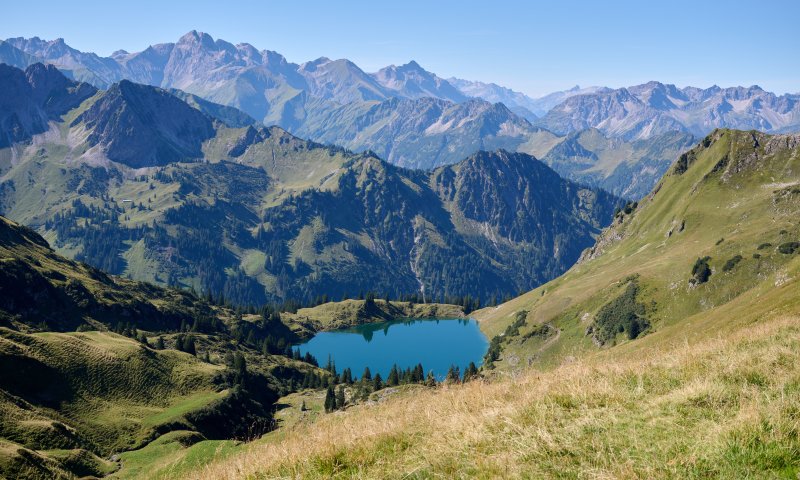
x=701, y=270
x=731, y=263
x=496, y=344
x=623, y=314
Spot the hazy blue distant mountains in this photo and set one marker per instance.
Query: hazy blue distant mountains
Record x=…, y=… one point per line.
x=521, y=104
x=412, y=81
x=546, y=103
x=261, y=83
x=167, y=188
x=627, y=168
x=272, y=90
x=654, y=108
x=419, y=133
x=413, y=118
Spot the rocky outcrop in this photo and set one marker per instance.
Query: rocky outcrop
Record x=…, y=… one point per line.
x=143, y=126
x=30, y=99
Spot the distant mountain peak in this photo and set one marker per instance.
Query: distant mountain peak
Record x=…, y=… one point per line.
x=412, y=81
x=197, y=38
x=313, y=64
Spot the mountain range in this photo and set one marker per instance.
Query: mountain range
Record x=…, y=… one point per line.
x=414, y=118
x=150, y=305
x=654, y=108
x=174, y=190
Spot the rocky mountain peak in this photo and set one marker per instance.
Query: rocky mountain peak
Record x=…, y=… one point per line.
x=199, y=39
x=141, y=126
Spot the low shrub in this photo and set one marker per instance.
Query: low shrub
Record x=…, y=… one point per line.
x=789, y=248
x=622, y=314
x=731, y=263
x=701, y=270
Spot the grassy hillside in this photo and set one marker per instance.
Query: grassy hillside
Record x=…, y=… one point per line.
x=669, y=351
x=734, y=199
x=722, y=407
x=92, y=365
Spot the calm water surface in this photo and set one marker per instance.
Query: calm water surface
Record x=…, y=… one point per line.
x=436, y=343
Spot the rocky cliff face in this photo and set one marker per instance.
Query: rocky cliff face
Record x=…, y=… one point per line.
x=422, y=133
x=30, y=99
x=141, y=126
x=522, y=199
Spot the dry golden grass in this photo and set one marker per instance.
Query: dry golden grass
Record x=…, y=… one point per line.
x=721, y=407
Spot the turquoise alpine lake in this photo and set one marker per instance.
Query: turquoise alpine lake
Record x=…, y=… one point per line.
x=435, y=343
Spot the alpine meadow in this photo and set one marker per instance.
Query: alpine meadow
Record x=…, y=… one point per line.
x=224, y=261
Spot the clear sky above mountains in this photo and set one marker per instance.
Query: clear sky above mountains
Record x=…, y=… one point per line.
x=534, y=47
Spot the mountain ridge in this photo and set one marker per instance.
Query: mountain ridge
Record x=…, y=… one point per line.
x=143, y=184
x=334, y=101
x=641, y=111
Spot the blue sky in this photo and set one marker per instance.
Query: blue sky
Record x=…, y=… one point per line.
x=534, y=47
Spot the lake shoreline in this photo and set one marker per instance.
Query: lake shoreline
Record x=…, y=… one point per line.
x=437, y=344
x=353, y=313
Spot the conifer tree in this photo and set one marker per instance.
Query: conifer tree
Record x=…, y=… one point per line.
x=367, y=375
x=330, y=400
x=369, y=301
x=340, y=398
x=393, y=379
x=188, y=345
x=239, y=369
x=454, y=374
x=470, y=372
x=377, y=382
x=418, y=375
x=430, y=380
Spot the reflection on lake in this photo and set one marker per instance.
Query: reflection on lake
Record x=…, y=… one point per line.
x=435, y=343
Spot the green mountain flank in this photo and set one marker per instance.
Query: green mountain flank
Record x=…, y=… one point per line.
x=141, y=183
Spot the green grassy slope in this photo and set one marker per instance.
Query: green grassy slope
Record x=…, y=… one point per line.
x=717, y=407
x=733, y=197
x=69, y=399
